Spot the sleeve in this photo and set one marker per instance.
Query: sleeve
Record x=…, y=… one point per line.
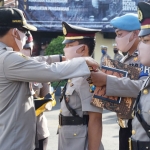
x=123, y=87
x=86, y=97
x=48, y=59
x=22, y=68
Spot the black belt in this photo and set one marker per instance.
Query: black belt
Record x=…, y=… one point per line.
x=140, y=145
x=70, y=120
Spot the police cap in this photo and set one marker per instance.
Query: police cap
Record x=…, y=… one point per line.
x=127, y=22
x=14, y=18
x=73, y=33
x=144, y=18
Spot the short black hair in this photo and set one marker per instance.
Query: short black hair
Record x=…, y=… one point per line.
x=90, y=42
x=3, y=31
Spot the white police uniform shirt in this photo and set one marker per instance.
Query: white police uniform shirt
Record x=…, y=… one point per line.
x=138, y=132
x=17, y=113
x=74, y=137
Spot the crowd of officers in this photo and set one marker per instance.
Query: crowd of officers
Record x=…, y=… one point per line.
x=80, y=123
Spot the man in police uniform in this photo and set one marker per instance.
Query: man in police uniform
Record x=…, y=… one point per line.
x=105, y=56
x=17, y=114
x=141, y=122
x=75, y=132
x=127, y=41
x=39, y=90
x=117, y=55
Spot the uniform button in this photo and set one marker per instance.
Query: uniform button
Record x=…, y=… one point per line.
x=133, y=132
x=60, y=111
x=145, y=91
x=136, y=58
x=59, y=126
x=69, y=81
x=74, y=134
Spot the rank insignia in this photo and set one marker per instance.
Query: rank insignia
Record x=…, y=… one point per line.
x=22, y=55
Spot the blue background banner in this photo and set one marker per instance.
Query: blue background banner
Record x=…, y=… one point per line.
x=47, y=15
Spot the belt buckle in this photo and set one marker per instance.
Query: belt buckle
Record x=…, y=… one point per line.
x=122, y=123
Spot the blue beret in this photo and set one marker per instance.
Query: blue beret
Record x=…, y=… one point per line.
x=128, y=22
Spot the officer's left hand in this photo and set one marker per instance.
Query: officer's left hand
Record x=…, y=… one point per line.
x=98, y=78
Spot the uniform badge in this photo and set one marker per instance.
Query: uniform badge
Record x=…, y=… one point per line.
x=140, y=15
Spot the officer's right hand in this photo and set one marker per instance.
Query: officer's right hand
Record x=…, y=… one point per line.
x=92, y=63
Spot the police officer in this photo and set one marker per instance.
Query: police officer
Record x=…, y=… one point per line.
x=117, y=55
x=141, y=121
x=39, y=90
x=75, y=103
x=104, y=56
x=17, y=114
x=127, y=29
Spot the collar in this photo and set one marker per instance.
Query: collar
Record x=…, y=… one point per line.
x=4, y=46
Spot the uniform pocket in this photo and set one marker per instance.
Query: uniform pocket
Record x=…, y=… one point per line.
x=78, y=132
x=73, y=138
x=70, y=90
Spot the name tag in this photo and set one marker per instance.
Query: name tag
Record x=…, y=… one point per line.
x=144, y=71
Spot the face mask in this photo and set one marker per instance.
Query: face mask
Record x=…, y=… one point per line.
x=26, y=52
x=71, y=52
x=123, y=43
x=20, y=43
x=144, y=53
x=115, y=51
x=103, y=51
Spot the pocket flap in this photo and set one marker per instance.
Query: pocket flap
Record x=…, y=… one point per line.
x=75, y=133
x=69, y=90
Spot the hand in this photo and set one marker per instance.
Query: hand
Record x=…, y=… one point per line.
x=98, y=78
x=92, y=63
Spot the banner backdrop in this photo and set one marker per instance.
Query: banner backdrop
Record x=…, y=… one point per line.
x=47, y=15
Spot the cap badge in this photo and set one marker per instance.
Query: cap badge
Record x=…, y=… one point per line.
x=64, y=30
x=140, y=15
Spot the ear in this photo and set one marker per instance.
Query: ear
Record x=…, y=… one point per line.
x=14, y=32
x=85, y=50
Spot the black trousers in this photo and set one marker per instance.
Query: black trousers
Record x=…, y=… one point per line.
x=124, y=135
x=42, y=144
